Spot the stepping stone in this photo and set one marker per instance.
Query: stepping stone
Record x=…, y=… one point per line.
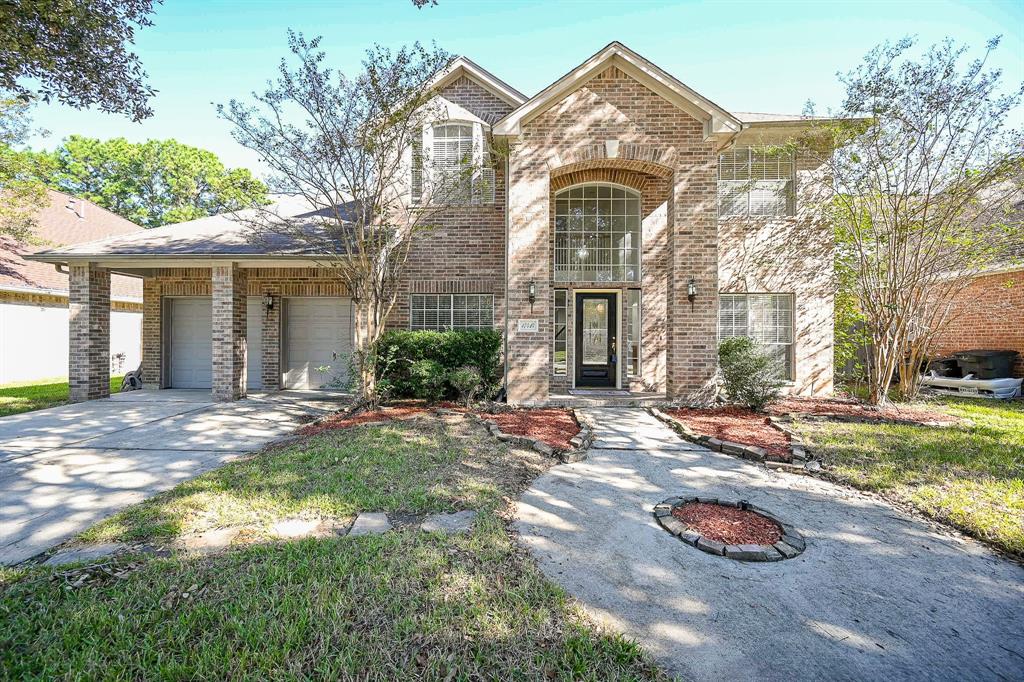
x=70, y=556
x=372, y=523
x=295, y=528
x=210, y=541
x=459, y=522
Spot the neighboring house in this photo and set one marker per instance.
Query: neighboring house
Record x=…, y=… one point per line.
x=34, y=296
x=632, y=224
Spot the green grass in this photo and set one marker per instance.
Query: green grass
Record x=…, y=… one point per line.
x=405, y=605
x=970, y=475
x=35, y=395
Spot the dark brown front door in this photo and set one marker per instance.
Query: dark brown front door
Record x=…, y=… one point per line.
x=596, y=359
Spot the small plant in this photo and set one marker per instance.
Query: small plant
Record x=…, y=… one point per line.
x=428, y=379
x=750, y=374
x=466, y=381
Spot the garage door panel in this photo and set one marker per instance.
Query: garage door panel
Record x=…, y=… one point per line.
x=318, y=333
x=190, y=336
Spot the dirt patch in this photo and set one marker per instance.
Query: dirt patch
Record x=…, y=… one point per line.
x=737, y=425
x=347, y=420
x=550, y=425
x=839, y=407
x=729, y=525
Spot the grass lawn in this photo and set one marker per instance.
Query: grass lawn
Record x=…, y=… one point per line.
x=404, y=605
x=35, y=395
x=970, y=475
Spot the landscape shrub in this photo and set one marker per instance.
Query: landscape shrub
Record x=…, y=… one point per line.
x=750, y=374
x=398, y=351
x=466, y=382
x=427, y=379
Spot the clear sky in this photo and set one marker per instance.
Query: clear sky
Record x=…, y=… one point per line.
x=769, y=56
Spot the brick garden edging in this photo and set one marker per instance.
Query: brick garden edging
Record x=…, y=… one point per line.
x=581, y=441
x=791, y=544
x=802, y=460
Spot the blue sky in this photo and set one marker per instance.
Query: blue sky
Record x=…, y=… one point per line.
x=746, y=56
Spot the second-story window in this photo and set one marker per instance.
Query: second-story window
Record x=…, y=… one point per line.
x=449, y=165
x=755, y=181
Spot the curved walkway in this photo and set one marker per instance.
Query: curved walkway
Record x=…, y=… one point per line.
x=877, y=595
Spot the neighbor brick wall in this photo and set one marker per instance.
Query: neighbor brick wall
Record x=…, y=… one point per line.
x=989, y=314
x=655, y=136
x=89, y=331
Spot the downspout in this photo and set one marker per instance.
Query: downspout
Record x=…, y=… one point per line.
x=504, y=379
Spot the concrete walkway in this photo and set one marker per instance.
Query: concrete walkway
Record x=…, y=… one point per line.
x=64, y=468
x=876, y=595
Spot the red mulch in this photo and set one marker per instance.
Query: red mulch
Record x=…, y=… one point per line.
x=838, y=407
x=730, y=525
x=553, y=426
x=737, y=425
x=346, y=419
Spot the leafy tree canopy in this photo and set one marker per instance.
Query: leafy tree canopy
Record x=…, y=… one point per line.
x=74, y=51
x=151, y=183
x=21, y=189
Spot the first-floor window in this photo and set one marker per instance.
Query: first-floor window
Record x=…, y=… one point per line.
x=766, y=318
x=633, y=333
x=561, y=320
x=439, y=312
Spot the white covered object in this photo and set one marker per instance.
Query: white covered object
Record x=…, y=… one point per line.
x=983, y=388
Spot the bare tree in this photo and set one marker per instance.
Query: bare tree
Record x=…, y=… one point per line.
x=351, y=148
x=925, y=167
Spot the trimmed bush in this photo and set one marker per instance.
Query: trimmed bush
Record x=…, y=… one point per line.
x=750, y=374
x=466, y=381
x=398, y=351
x=427, y=380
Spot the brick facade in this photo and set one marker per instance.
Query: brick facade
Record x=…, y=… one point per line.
x=988, y=315
x=229, y=331
x=89, y=330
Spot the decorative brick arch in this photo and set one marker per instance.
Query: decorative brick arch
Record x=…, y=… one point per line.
x=634, y=179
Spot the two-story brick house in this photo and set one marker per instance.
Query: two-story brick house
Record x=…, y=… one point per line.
x=630, y=223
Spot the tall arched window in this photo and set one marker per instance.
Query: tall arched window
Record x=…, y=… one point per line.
x=597, y=234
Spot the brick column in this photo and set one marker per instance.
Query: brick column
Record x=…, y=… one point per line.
x=152, y=334
x=89, y=332
x=271, y=346
x=229, y=327
x=529, y=353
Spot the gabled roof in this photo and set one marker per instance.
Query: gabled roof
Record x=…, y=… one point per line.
x=64, y=221
x=462, y=66
x=717, y=121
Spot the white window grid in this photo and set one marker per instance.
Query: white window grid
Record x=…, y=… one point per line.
x=597, y=234
x=755, y=181
x=766, y=318
x=560, y=339
x=458, y=174
x=438, y=312
x=633, y=333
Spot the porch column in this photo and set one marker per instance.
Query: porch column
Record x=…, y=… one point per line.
x=88, y=332
x=229, y=328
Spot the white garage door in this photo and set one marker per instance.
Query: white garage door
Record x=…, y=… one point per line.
x=254, y=343
x=317, y=341
x=191, y=359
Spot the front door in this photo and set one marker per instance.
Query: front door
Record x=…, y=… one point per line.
x=596, y=347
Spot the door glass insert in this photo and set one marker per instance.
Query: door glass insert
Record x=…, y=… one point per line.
x=595, y=332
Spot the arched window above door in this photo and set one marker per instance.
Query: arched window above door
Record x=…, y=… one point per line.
x=597, y=234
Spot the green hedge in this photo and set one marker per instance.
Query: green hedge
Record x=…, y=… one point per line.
x=413, y=364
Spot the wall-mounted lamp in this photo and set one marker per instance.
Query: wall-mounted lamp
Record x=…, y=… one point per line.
x=268, y=302
x=691, y=291
x=533, y=292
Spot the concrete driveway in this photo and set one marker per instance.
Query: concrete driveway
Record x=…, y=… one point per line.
x=64, y=468
x=877, y=594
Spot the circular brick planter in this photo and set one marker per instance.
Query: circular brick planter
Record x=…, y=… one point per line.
x=790, y=545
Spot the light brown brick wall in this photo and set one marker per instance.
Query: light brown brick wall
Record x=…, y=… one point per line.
x=791, y=255
x=655, y=136
x=989, y=314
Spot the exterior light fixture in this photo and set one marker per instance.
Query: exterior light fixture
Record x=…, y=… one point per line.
x=533, y=292
x=691, y=292
x=268, y=302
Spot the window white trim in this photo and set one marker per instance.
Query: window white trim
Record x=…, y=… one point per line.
x=753, y=182
x=585, y=248
x=440, y=312
x=432, y=163
x=758, y=318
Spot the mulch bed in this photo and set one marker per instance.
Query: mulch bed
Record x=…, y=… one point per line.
x=550, y=425
x=347, y=420
x=838, y=407
x=737, y=425
x=729, y=525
